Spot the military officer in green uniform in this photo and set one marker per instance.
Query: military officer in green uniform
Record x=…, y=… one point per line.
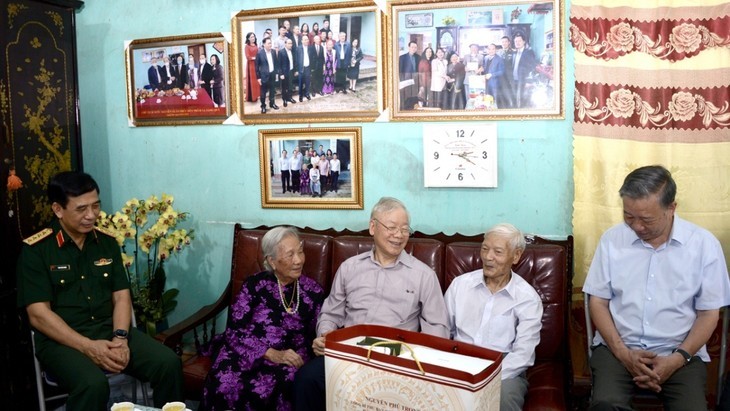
x=73, y=285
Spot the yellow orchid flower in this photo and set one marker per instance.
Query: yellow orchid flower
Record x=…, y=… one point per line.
x=147, y=232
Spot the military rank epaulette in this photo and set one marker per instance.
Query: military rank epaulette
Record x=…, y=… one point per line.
x=38, y=236
x=105, y=231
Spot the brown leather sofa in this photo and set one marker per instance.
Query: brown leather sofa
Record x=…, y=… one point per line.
x=546, y=264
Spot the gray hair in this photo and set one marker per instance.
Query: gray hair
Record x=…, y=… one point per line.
x=512, y=233
x=387, y=204
x=648, y=180
x=271, y=240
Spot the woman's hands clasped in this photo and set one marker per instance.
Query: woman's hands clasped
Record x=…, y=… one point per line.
x=288, y=357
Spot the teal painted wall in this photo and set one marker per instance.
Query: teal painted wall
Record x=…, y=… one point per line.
x=213, y=170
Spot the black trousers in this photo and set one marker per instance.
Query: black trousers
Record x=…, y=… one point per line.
x=341, y=82
x=286, y=86
x=317, y=79
x=285, y=181
x=309, y=386
x=305, y=81
x=295, y=180
x=268, y=87
x=335, y=175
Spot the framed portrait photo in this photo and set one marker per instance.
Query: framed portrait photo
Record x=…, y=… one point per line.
x=311, y=168
x=481, y=60
x=419, y=20
x=178, y=80
x=313, y=63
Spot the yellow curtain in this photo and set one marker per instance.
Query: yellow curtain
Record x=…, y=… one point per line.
x=652, y=86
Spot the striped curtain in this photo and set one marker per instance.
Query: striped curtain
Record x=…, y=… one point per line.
x=652, y=86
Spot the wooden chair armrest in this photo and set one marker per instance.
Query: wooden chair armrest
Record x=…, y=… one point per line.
x=172, y=337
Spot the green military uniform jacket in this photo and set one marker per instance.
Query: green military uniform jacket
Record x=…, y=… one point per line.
x=77, y=283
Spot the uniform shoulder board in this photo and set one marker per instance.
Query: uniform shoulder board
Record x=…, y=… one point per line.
x=38, y=236
x=105, y=231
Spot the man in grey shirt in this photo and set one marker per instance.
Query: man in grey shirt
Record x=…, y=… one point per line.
x=384, y=286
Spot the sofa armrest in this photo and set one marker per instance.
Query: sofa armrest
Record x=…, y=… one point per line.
x=172, y=337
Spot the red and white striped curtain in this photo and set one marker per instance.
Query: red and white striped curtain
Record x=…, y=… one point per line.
x=652, y=86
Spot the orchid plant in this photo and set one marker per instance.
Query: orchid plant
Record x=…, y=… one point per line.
x=148, y=234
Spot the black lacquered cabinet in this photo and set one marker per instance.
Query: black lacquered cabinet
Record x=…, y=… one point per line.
x=39, y=136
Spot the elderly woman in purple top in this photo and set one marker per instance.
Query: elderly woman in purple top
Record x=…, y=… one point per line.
x=270, y=331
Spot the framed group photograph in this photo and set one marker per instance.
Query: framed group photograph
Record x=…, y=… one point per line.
x=419, y=20
x=311, y=168
x=178, y=80
x=312, y=63
x=481, y=60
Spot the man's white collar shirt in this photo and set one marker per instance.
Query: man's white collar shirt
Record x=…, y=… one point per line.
x=507, y=321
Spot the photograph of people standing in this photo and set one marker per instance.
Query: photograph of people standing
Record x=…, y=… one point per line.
x=343, y=50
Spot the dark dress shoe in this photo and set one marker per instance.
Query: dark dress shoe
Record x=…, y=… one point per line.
x=308, y=97
x=300, y=99
x=274, y=106
x=344, y=91
x=285, y=103
x=291, y=100
x=263, y=110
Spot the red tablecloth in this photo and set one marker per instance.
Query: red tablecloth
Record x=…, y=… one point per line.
x=176, y=106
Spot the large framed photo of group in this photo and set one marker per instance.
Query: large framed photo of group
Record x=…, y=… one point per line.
x=480, y=60
x=178, y=80
x=311, y=168
x=310, y=63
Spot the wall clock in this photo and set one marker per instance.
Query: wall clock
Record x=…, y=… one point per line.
x=460, y=156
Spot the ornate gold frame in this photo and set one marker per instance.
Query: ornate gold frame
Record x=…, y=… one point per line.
x=294, y=137
x=245, y=19
x=397, y=33
x=184, y=115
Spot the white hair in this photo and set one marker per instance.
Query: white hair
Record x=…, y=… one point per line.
x=512, y=233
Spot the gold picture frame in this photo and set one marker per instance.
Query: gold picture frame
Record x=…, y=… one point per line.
x=279, y=186
x=361, y=20
x=534, y=91
x=168, y=96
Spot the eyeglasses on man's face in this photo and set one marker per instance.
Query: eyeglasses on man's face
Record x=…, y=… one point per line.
x=404, y=231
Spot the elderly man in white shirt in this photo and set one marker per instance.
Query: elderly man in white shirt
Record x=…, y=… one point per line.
x=495, y=308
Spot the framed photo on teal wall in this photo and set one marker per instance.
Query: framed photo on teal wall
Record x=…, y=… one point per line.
x=178, y=80
x=323, y=63
x=311, y=168
x=481, y=60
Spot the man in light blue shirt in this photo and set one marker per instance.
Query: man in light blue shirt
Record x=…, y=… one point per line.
x=656, y=285
x=495, y=308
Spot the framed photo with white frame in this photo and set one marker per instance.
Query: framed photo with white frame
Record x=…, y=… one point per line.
x=481, y=60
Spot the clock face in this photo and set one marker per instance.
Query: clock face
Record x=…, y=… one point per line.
x=460, y=156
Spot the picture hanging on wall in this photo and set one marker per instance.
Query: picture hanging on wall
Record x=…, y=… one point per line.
x=311, y=168
x=481, y=60
x=314, y=63
x=178, y=80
